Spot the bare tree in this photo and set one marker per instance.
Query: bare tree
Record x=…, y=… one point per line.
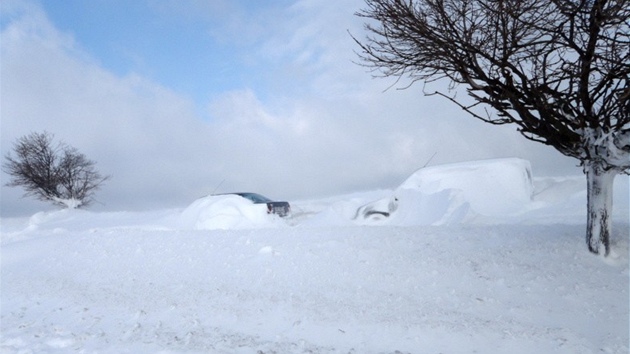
x=55, y=173
x=559, y=70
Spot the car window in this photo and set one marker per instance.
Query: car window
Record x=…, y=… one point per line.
x=256, y=198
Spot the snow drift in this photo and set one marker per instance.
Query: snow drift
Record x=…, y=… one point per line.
x=220, y=276
x=226, y=212
x=475, y=192
x=491, y=187
x=456, y=193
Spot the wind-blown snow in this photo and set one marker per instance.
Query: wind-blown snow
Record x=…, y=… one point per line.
x=226, y=212
x=473, y=258
x=491, y=187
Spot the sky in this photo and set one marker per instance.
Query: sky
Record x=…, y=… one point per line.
x=177, y=99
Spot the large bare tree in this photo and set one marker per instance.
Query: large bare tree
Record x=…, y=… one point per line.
x=57, y=173
x=557, y=69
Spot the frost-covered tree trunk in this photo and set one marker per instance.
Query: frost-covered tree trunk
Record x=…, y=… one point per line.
x=599, y=206
x=605, y=154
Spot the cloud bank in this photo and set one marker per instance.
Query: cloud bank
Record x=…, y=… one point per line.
x=311, y=123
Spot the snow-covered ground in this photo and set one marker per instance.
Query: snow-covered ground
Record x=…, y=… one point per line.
x=478, y=257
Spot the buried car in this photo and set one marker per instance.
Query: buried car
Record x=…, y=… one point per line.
x=280, y=208
x=233, y=211
x=457, y=193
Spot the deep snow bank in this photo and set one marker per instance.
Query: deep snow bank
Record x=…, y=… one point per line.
x=494, y=191
x=226, y=212
x=455, y=193
x=491, y=187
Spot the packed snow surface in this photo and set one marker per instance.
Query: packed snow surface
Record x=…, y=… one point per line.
x=479, y=257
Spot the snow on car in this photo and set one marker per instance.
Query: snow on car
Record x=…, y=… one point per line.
x=456, y=193
x=233, y=211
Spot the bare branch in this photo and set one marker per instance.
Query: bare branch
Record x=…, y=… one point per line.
x=55, y=173
x=551, y=67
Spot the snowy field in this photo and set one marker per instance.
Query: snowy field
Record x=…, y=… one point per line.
x=479, y=257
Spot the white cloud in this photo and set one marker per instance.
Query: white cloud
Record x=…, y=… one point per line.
x=323, y=127
x=143, y=134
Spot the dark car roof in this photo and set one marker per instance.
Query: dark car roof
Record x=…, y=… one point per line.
x=254, y=197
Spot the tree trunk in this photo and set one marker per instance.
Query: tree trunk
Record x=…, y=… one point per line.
x=599, y=207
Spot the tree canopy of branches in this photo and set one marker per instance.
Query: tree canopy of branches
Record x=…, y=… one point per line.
x=557, y=69
x=57, y=173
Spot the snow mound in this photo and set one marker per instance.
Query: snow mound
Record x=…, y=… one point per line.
x=455, y=193
x=226, y=212
x=491, y=187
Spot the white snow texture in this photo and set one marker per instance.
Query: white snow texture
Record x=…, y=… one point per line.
x=477, y=257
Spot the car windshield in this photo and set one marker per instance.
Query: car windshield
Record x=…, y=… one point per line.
x=256, y=198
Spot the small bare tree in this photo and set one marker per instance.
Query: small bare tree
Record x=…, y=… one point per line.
x=55, y=173
x=559, y=70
